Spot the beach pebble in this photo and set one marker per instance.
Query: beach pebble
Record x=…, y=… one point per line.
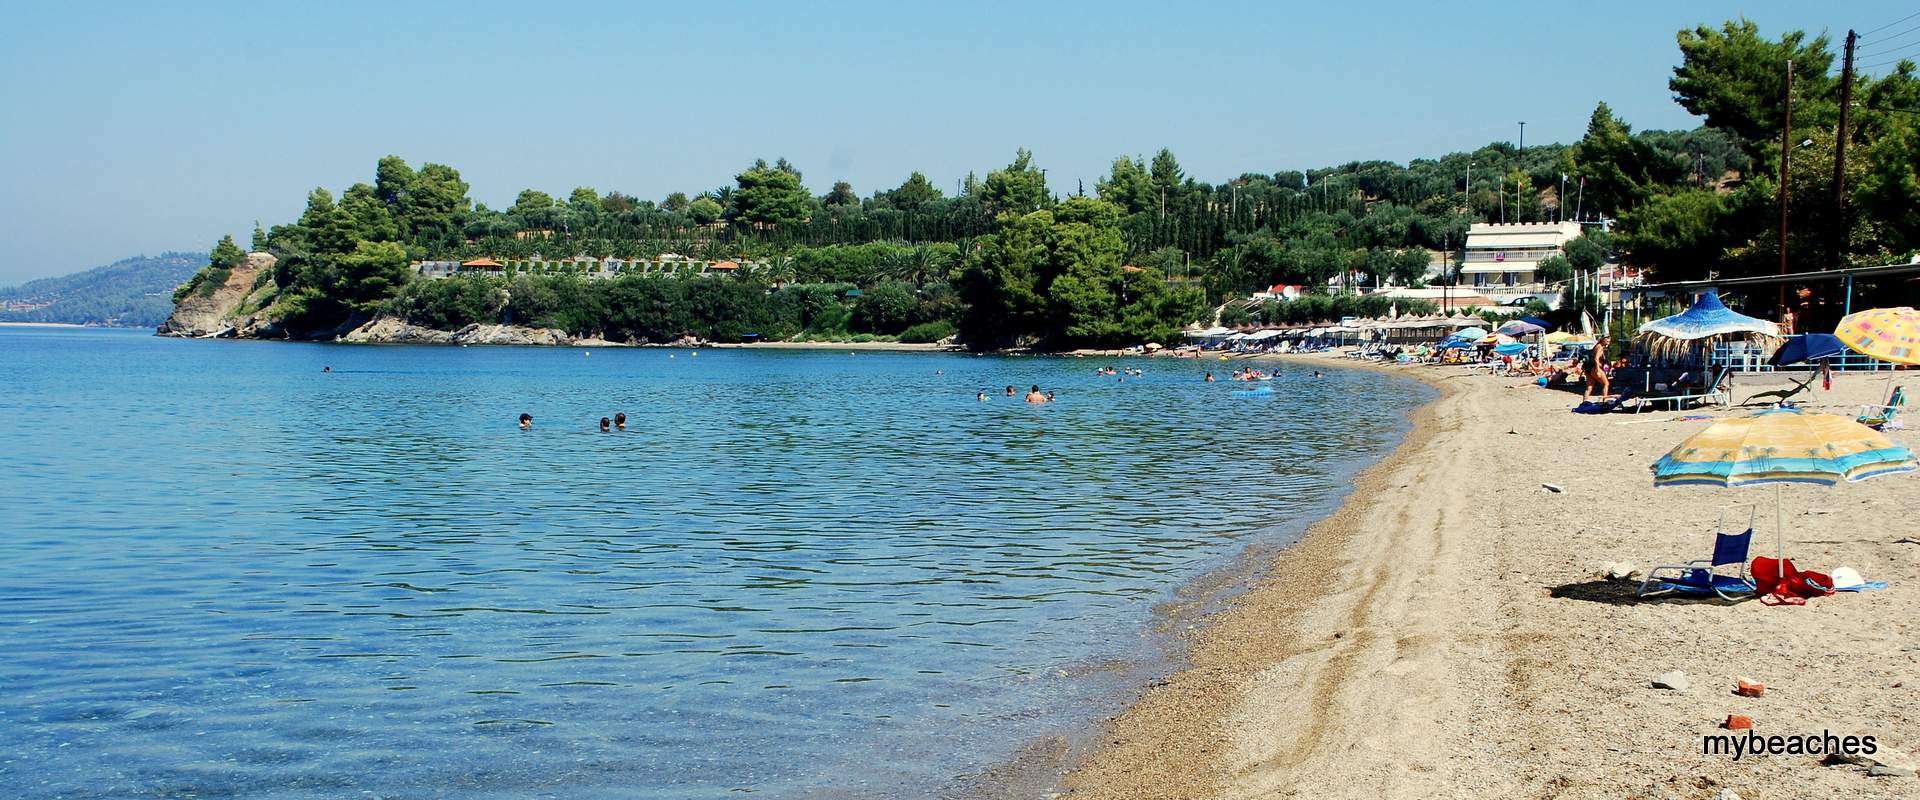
x=1675, y=680
x=1738, y=722
x=1727, y=794
x=1890, y=771
x=1552, y=487
x=1749, y=688
x=1616, y=570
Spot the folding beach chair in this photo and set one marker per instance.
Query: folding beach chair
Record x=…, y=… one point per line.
x=1705, y=576
x=1882, y=417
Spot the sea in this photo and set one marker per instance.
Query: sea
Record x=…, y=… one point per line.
x=238, y=569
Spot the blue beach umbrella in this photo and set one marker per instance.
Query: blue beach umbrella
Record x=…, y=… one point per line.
x=1807, y=347
x=1513, y=349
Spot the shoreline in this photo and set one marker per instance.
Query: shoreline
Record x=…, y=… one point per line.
x=1046, y=766
x=1451, y=629
x=1162, y=745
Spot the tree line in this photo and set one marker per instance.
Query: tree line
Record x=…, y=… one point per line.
x=1008, y=260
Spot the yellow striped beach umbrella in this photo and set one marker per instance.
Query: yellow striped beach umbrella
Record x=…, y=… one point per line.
x=1783, y=445
x=1888, y=334
x=1780, y=446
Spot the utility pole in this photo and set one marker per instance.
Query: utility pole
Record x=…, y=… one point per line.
x=1469, y=203
x=1786, y=158
x=1840, y=158
x=1520, y=160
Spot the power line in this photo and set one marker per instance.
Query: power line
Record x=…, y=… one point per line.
x=1895, y=60
x=1893, y=38
x=1890, y=24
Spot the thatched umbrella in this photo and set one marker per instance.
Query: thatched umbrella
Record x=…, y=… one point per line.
x=1708, y=322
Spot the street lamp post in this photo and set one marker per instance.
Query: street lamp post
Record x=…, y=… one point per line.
x=1520, y=156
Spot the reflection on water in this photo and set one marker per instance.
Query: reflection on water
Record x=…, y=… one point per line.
x=228, y=574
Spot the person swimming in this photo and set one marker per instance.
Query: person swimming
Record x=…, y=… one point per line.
x=1209, y=378
x=1009, y=390
x=606, y=425
x=620, y=421
x=1034, y=395
x=980, y=396
x=326, y=369
x=526, y=422
x=1049, y=395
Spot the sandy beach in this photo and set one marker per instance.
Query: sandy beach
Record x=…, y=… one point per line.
x=1450, y=631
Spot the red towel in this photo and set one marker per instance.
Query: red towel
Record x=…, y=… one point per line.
x=1780, y=583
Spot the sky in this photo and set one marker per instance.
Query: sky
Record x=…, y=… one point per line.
x=141, y=127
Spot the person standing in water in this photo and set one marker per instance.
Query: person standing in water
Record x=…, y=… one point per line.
x=1034, y=395
x=526, y=422
x=620, y=421
x=1009, y=390
x=1209, y=377
x=606, y=425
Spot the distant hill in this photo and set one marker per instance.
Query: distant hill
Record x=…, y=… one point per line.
x=132, y=292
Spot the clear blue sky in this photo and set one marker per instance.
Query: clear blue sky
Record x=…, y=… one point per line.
x=138, y=128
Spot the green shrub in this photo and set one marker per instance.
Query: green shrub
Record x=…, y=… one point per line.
x=928, y=332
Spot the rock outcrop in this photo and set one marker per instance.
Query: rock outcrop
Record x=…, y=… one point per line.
x=393, y=330
x=221, y=313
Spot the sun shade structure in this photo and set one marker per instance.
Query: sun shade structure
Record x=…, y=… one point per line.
x=1520, y=327
x=1888, y=334
x=1807, y=347
x=1781, y=446
x=1707, y=319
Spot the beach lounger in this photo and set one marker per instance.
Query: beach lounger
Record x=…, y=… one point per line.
x=1884, y=416
x=1705, y=576
x=1716, y=391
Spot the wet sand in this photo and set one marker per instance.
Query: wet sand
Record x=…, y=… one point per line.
x=1447, y=632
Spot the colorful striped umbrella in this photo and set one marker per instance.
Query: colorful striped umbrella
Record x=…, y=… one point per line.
x=1888, y=334
x=1780, y=446
x=1783, y=445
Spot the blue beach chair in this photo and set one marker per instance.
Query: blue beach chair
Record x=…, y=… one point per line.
x=1705, y=576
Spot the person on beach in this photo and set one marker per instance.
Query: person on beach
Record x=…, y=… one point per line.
x=526, y=422
x=606, y=425
x=1596, y=369
x=620, y=421
x=1034, y=395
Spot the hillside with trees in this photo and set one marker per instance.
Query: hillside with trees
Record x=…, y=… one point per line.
x=132, y=292
x=1007, y=260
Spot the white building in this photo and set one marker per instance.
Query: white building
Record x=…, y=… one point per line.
x=1506, y=256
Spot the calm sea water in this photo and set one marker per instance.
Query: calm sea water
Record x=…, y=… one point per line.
x=224, y=573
